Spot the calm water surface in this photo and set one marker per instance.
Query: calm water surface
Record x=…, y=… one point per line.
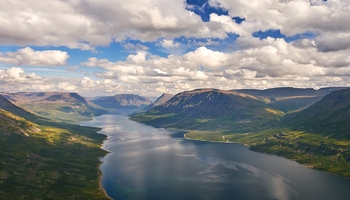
x=152, y=163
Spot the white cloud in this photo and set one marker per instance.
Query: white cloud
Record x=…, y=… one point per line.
x=326, y=19
x=87, y=24
x=268, y=63
x=27, y=56
x=168, y=44
x=66, y=86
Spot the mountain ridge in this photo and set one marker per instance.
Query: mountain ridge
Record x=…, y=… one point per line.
x=120, y=101
x=202, y=108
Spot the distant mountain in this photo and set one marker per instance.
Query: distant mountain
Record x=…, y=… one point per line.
x=330, y=115
x=57, y=105
x=289, y=99
x=159, y=101
x=122, y=101
x=204, y=109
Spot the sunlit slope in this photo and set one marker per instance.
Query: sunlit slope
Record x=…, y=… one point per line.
x=13, y=124
x=56, y=105
x=210, y=109
x=122, y=101
x=47, y=159
x=330, y=115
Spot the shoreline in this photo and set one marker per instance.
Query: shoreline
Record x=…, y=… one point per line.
x=100, y=182
x=100, y=173
x=305, y=165
x=214, y=141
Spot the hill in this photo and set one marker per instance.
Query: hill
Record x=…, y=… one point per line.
x=288, y=99
x=56, y=105
x=123, y=101
x=212, y=109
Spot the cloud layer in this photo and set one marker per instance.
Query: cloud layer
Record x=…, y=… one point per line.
x=322, y=59
x=87, y=24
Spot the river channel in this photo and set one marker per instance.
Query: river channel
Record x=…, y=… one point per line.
x=156, y=163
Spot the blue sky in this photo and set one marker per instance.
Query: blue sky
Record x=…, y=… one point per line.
x=151, y=47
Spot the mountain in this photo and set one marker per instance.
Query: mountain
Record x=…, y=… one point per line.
x=121, y=101
x=56, y=105
x=159, y=101
x=330, y=115
x=212, y=109
x=289, y=99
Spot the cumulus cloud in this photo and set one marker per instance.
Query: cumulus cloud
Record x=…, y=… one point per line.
x=326, y=19
x=15, y=79
x=270, y=63
x=28, y=56
x=168, y=44
x=87, y=24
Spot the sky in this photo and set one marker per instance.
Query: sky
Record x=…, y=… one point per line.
x=150, y=47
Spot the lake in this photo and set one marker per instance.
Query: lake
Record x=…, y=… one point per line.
x=155, y=163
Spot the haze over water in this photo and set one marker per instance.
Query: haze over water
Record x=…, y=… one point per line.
x=151, y=163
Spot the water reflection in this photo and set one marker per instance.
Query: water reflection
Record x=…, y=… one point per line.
x=151, y=163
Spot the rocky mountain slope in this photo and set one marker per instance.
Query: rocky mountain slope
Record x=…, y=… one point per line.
x=210, y=108
x=123, y=101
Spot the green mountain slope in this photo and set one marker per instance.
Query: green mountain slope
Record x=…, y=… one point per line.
x=330, y=115
x=47, y=159
x=210, y=109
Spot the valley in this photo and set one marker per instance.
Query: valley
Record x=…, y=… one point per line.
x=46, y=154
x=313, y=133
